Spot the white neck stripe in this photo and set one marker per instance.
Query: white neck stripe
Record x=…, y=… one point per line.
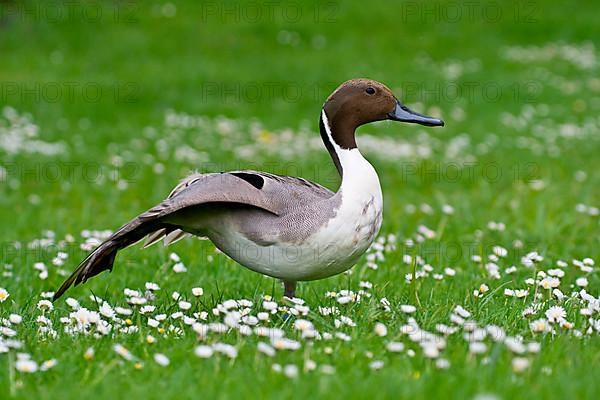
x=328, y=131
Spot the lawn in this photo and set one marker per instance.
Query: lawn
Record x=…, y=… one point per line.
x=483, y=282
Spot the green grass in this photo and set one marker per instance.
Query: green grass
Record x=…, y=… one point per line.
x=201, y=66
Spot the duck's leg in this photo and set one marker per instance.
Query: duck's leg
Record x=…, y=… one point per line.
x=289, y=289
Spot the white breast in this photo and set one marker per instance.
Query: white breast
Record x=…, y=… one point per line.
x=346, y=236
x=358, y=219
x=334, y=247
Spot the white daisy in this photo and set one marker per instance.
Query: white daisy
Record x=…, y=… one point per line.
x=265, y=349
x=73, y=303
x=520, y=293
x=203, y=351
x=123, y=352
x=303, y=325
x=540, y=325
x=395, y=347
x=161, y=359
x=89, y=354
x=377, y=364
x=581, y=282
x=291, y=371
x=15, y=319
x=477, y=347
x=45, y=305
x=407, y=308
x=549, y=282
x=500, y=251
x=152, y=286
x=380, y=329
x=520, y=364
x=556, y=314
x=225, y=349
x=179, y=268
x=26, y=365
x=48, y=364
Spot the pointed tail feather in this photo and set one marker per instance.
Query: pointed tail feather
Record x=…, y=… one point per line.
x=103, y=257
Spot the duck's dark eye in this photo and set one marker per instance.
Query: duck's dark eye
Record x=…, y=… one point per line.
x=370, y=90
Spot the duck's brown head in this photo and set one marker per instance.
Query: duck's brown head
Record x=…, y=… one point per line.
x=360, y=101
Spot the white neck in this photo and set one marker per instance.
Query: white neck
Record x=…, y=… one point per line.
x=358, y=175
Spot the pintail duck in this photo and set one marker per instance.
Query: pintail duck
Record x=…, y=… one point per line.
x=281, y=226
